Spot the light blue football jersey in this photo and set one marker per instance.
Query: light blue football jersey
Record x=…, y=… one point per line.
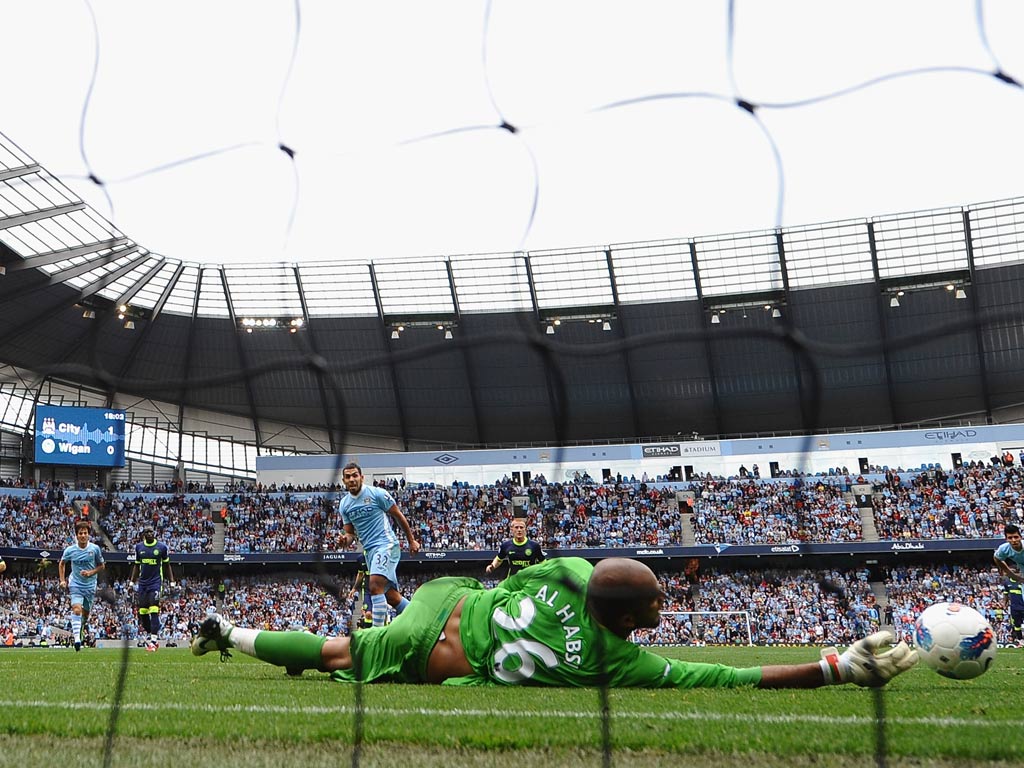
x=1006, y=553
x=82, y=559
x=367, y=511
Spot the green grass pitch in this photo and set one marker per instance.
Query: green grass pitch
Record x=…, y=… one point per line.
x=177, y=710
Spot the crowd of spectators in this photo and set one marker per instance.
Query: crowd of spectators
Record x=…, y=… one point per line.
x=34, y=606
x=770, y=512
x=176, y=487
x=472, y=518
x=245, y=487
x=608, y=515
x=185, y=524
x=35, y=521
x=972, y=501
x=45, y=485
x=259, y=522
x=913, y=588
x=468, y=517
x=767, y=607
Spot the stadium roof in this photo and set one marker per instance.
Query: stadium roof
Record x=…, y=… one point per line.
x=606, y=342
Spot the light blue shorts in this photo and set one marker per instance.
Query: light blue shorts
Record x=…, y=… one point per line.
x=383, y=561
x=82, y=595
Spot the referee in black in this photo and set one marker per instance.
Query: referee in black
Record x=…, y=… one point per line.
x=517, y=552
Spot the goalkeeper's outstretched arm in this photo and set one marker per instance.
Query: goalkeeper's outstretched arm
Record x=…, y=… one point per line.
x=870, y=662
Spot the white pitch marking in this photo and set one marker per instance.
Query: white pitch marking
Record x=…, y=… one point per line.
x=941, y=722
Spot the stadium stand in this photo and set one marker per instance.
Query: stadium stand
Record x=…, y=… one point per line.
x=967, y=503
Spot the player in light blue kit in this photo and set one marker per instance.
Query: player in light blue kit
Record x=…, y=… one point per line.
x=1009, y=556
x=86, y=561
x=364, y=513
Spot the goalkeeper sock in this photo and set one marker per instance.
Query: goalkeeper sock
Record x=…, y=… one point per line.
x=401, y=606
x=379, y=606
x=295, y=650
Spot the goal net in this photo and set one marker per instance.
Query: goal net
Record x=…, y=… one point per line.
x=699, y=628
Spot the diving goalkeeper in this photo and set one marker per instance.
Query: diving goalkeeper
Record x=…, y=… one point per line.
x=563, y=622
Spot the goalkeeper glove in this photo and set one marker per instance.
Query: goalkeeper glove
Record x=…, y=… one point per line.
x=865, y=663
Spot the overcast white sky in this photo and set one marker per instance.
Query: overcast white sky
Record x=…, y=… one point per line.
x=191, y=78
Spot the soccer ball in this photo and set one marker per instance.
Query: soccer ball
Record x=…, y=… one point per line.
x=955, y=640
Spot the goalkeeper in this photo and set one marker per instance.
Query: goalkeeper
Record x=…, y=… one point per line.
x=563, y=622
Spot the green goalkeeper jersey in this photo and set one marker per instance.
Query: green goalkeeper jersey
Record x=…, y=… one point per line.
x=534, y=629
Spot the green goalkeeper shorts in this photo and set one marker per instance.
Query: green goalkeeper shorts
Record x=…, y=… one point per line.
x=399, y=652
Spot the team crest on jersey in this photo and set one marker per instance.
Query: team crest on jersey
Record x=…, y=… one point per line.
x=529, y=551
